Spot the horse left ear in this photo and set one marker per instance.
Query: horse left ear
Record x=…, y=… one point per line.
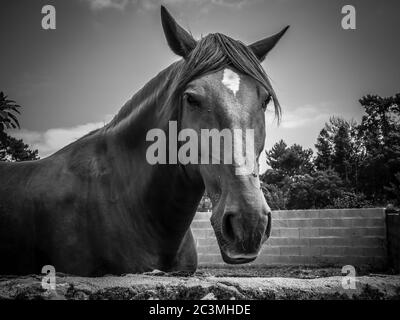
x=262, y=47
x=179, y=40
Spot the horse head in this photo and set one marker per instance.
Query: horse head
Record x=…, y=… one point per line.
x=222, y=86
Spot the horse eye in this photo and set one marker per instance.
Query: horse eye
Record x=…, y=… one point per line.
x=266, y=102
x=191, y=99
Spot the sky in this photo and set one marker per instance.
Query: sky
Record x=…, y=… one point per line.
x=74, y=79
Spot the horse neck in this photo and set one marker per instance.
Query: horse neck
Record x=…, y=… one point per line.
x=169, y=191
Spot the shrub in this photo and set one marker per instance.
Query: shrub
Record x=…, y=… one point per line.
x=351, y=200
x=314, y=191
x=274, y=196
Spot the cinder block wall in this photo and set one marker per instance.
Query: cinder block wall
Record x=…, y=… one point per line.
x=333, y=236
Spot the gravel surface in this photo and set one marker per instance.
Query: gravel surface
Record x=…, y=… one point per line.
x=210, y=284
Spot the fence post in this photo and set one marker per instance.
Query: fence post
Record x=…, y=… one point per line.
x=393, y=237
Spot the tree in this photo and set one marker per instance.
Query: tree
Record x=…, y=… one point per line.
x=323, y=160
x=338, y=147
x=285, y=162
x=355, y=166
x=275, y=154
x=275, y=196
x=380, y=135
x=290, y=161
x=316, y=190
x=342, y=153
x=12, y=149
x=8, y=108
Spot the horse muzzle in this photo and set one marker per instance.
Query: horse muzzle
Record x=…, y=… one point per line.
x=240, y=242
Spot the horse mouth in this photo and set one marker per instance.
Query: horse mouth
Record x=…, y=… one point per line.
x=238, y=258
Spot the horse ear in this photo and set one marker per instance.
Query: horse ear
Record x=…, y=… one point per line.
x=179, y=40
x=262, y=47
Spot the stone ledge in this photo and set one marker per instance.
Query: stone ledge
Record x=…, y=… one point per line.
x=165, y=287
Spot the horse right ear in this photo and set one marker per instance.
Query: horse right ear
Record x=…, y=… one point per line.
x=179, y=40
x=262, y=47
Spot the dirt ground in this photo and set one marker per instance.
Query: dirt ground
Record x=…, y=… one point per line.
x=298, y=282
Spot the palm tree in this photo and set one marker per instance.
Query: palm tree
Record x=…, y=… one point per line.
x=8, y=108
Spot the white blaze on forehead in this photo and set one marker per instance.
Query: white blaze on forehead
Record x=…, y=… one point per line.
x=231, y=80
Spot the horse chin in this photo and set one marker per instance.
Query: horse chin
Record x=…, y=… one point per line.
x=238, y=258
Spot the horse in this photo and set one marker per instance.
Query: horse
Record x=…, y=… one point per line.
x=98, y=207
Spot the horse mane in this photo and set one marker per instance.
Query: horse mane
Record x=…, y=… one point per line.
x=212, y=53
x=148, y=93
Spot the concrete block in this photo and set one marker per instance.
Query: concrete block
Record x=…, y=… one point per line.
x=332, y=232
x=309, y=232
x=280, y=241
x=373, y=252
x=368, y=222
x=270, y=250
x=290, y=251
x=367, y=241
x=296, y=214
x=268, y=259
x=275, y=232
x=208, y=250
x=330, y=241
x=201, y=224
x=203, y=233
x=299, y=223
x=202, y=216
x=371, y=231
x=324, y=223
x=332, y=251
x=207, y=241
x=210, y=258
x=289, y=232
x=280, y=223
x=341, y=222
x=310, y=251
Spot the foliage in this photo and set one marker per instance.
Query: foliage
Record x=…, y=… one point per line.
x=8, y=108
x=205, y=204
x=316, y=190
x=290, y=161
x=349, y=199
x=356, y=165
x=12, y=149
x=338, y=147
x=275, y=196
x=380, y=136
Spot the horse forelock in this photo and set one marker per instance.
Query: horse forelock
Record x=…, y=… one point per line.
x=216, y=52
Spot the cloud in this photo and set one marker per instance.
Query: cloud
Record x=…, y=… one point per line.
x=52, y=140
x=107, y=4
x=98, y=5
x=293, y=118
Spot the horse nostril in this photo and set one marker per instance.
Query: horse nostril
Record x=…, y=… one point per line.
x=227, y=227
